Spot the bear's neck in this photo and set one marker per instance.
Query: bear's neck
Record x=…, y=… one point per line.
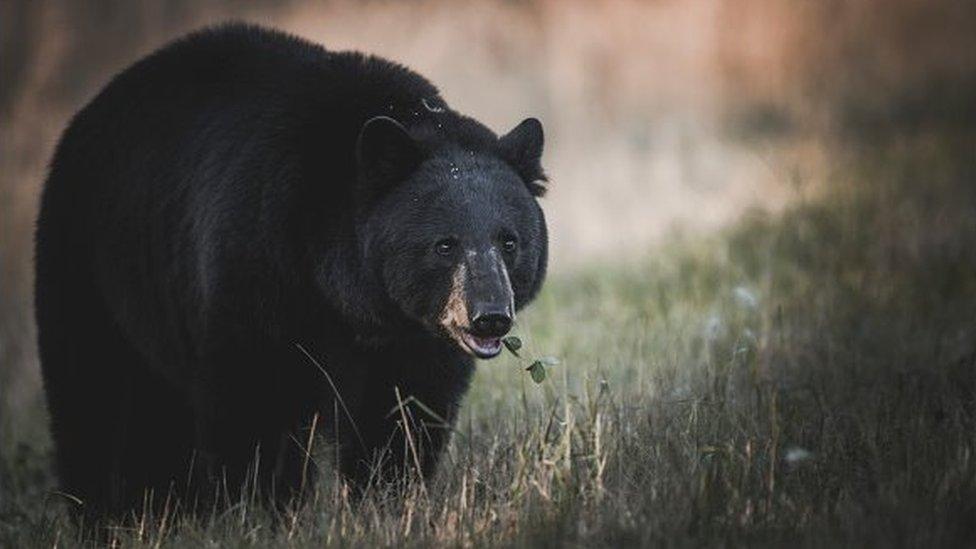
x=357, y=295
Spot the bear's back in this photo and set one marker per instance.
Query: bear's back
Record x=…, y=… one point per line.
x=217, y=116
x=246, y=75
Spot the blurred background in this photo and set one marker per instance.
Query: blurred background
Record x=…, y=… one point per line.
x=664, y=119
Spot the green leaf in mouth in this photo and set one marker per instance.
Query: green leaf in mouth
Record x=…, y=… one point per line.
x=512, y=343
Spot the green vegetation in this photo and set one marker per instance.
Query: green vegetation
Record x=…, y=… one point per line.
x=807, y=377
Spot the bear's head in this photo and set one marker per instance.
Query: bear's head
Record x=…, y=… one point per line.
x=452, y=232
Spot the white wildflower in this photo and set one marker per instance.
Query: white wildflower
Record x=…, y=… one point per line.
x=796, y=455
x=745, y=297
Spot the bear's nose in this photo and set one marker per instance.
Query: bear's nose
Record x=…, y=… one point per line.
x=491, y=324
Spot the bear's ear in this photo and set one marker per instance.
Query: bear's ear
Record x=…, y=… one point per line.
x=522, y=148
x=385, y=155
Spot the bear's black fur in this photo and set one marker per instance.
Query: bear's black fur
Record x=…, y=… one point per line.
x=243, y=197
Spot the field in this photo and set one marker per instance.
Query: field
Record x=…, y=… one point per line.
x=763, y=294
x=806, y=377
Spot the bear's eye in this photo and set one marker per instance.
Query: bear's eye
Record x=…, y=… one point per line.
x=509, y=244
x=445, y=246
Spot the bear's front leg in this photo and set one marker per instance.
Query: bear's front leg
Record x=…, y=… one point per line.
x=405, y=419
x=250, y=406
x=223, y=446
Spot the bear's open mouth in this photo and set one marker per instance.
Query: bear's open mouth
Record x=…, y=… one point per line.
x=482, y=347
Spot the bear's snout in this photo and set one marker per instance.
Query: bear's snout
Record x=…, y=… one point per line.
x=480, y=307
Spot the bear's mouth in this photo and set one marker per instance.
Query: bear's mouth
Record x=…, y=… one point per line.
x=481, y=347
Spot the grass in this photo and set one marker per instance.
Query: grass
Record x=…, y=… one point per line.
x=805, y=378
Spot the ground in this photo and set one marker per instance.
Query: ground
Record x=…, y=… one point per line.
x=803, y=377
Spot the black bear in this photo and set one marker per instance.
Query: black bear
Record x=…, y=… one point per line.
x=246, y=236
